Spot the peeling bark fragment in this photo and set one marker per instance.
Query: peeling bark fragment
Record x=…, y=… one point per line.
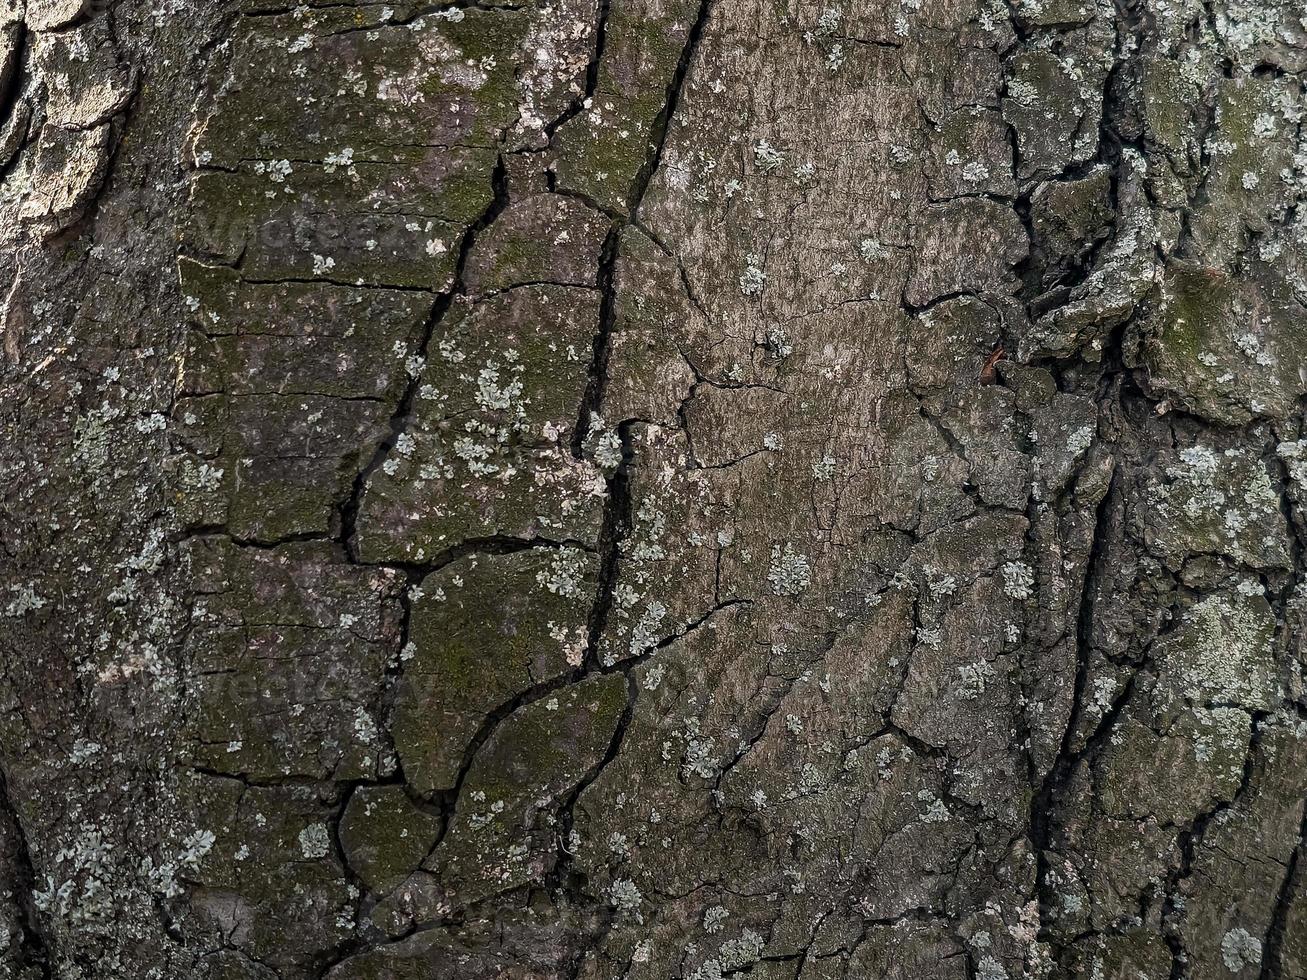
x=1108, y=297
x=66, y=174
x=45, y=15
x=1206, y=330
x=90, y=53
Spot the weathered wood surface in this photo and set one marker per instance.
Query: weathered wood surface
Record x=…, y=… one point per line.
x=652, y=489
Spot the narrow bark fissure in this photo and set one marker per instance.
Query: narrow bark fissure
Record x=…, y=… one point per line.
x=11, y=76
x=591, y=406
x=401, y=418
x=1047, y=799
x=36, y=948
x=493, y=544
x=592, y=69
x=663, y=121
x=354, y=942
x=1290, y=891
x=1047, y=284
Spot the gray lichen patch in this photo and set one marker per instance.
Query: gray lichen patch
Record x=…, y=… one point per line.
x=1209, y=500
x=1223, y=653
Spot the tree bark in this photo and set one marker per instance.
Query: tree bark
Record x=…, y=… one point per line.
x=652, y=489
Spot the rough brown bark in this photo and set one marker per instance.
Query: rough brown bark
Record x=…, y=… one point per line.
x=652, y=489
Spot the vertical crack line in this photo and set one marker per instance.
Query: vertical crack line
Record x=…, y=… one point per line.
x=36, y=946
x=354, y=941
x=663, y=121
x=11, y=73
x=617, y=509
x=400, y=419
x=592, y=403
x=591, y=74
x=1055, y=781
x=1273, y=942
x=558, y=875
x=616, y=526
x=597, y=382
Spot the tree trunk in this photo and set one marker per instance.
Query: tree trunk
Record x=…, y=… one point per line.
x=655, y=490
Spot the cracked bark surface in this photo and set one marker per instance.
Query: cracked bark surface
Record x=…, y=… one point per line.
x=653, y=489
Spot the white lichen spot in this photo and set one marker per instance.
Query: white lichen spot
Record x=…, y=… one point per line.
x=625, y=897
x=26, y=599
x=713, y=919
x=753, y=279
x=565, y=573
x=1018, y=580
x=766, y=156
x=343, y=158
x=314, y=841
x=789, y=573
x=936, y=811
x=1080, y=440
x=1240, y=948
x=975, y=678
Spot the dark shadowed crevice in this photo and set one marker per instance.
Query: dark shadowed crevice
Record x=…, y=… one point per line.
x=35, y=951
x=663, y=121
x=1290, y=889
x=591, y=407
x=1052, y=790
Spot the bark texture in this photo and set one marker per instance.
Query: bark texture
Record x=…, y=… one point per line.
x=652, y=490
